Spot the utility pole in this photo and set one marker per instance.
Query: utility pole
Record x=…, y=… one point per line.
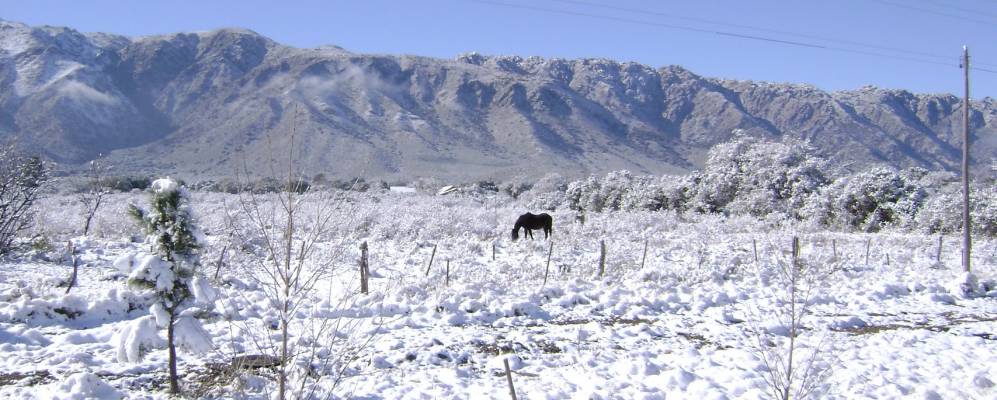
x=966, y=240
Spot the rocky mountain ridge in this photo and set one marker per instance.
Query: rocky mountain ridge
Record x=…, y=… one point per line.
x=218, y=103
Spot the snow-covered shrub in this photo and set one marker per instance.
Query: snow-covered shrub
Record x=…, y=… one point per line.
x=516, y=186
x=583, y=195
x=745, y=176
x=942, y=210
x=755, y=177
x=868, y=201
x=552, y=182
x=548, y=201
x=548, y=193
x=21, y=180
x=618, y=190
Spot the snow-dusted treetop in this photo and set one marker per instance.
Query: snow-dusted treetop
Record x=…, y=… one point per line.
x=164, y=185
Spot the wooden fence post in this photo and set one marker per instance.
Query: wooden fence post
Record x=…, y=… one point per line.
x=431, y=257
x=508, y=377
x=834, y=249
x=364, y=271
x=446, y=282
x=221, y=259
x=602, y=257
x=493, y=251
x=754, y=248
x=72, y=256
x=547, y=268
x=644, y=257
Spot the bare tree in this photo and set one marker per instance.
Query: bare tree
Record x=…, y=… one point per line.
x=791, y=372
x=287, y=238
x=93, y=192
x=21, y=181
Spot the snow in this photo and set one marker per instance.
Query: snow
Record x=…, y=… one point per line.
x=152, y=268
x=693, y=323
x=164, y=185
x=84, y=385
x=137, y=338
x=401, y=189
x=448, y=189
x=191, y=336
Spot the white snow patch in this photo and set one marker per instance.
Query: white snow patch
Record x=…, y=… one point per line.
x=84, y=385
x=164, y=185
x=191, y=336
x=138, y=337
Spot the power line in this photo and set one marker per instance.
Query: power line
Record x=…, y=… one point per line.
x=930, y=11
x=721, y=33
x=761, y=29
x=657, y=24
x=961, y=9
x=757, y=28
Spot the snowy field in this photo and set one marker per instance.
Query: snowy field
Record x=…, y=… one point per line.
x=703, y=318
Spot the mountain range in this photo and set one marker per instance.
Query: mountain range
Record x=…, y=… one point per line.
x=211, y=104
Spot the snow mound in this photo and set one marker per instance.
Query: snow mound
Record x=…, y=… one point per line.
x=84, y=385
x=137, y=338
x=125, y=263
x=964, y=286
x=191, y=336
x=204, y=294
x=498, y=362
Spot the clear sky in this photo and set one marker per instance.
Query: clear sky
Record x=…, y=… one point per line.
x=832, y=40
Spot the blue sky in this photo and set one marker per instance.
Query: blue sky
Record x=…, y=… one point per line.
x=693, y=34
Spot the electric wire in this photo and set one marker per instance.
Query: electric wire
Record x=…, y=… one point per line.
x=761, y=29
x=939, y=13
x=724, y=33
x=742, y=26
x=944, y=4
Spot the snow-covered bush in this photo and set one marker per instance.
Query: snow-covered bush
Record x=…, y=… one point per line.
x=516, y=186
x=868, y=201
x=942, y=210
x=755, y=177
x=618, y=190
x=21, y=180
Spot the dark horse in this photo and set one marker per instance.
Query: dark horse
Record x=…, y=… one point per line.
x=529, y=222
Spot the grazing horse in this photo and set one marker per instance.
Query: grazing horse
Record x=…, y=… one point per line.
x=529, y=222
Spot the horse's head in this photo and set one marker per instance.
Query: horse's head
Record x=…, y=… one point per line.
x=515, y=233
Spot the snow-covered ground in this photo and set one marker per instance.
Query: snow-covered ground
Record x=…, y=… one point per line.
x=693, y=322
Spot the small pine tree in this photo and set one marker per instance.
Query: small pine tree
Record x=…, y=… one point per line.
x=170, y=229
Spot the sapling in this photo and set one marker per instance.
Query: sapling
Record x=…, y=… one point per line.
x=92, y=193
x=793, y=370
x=169, y=273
